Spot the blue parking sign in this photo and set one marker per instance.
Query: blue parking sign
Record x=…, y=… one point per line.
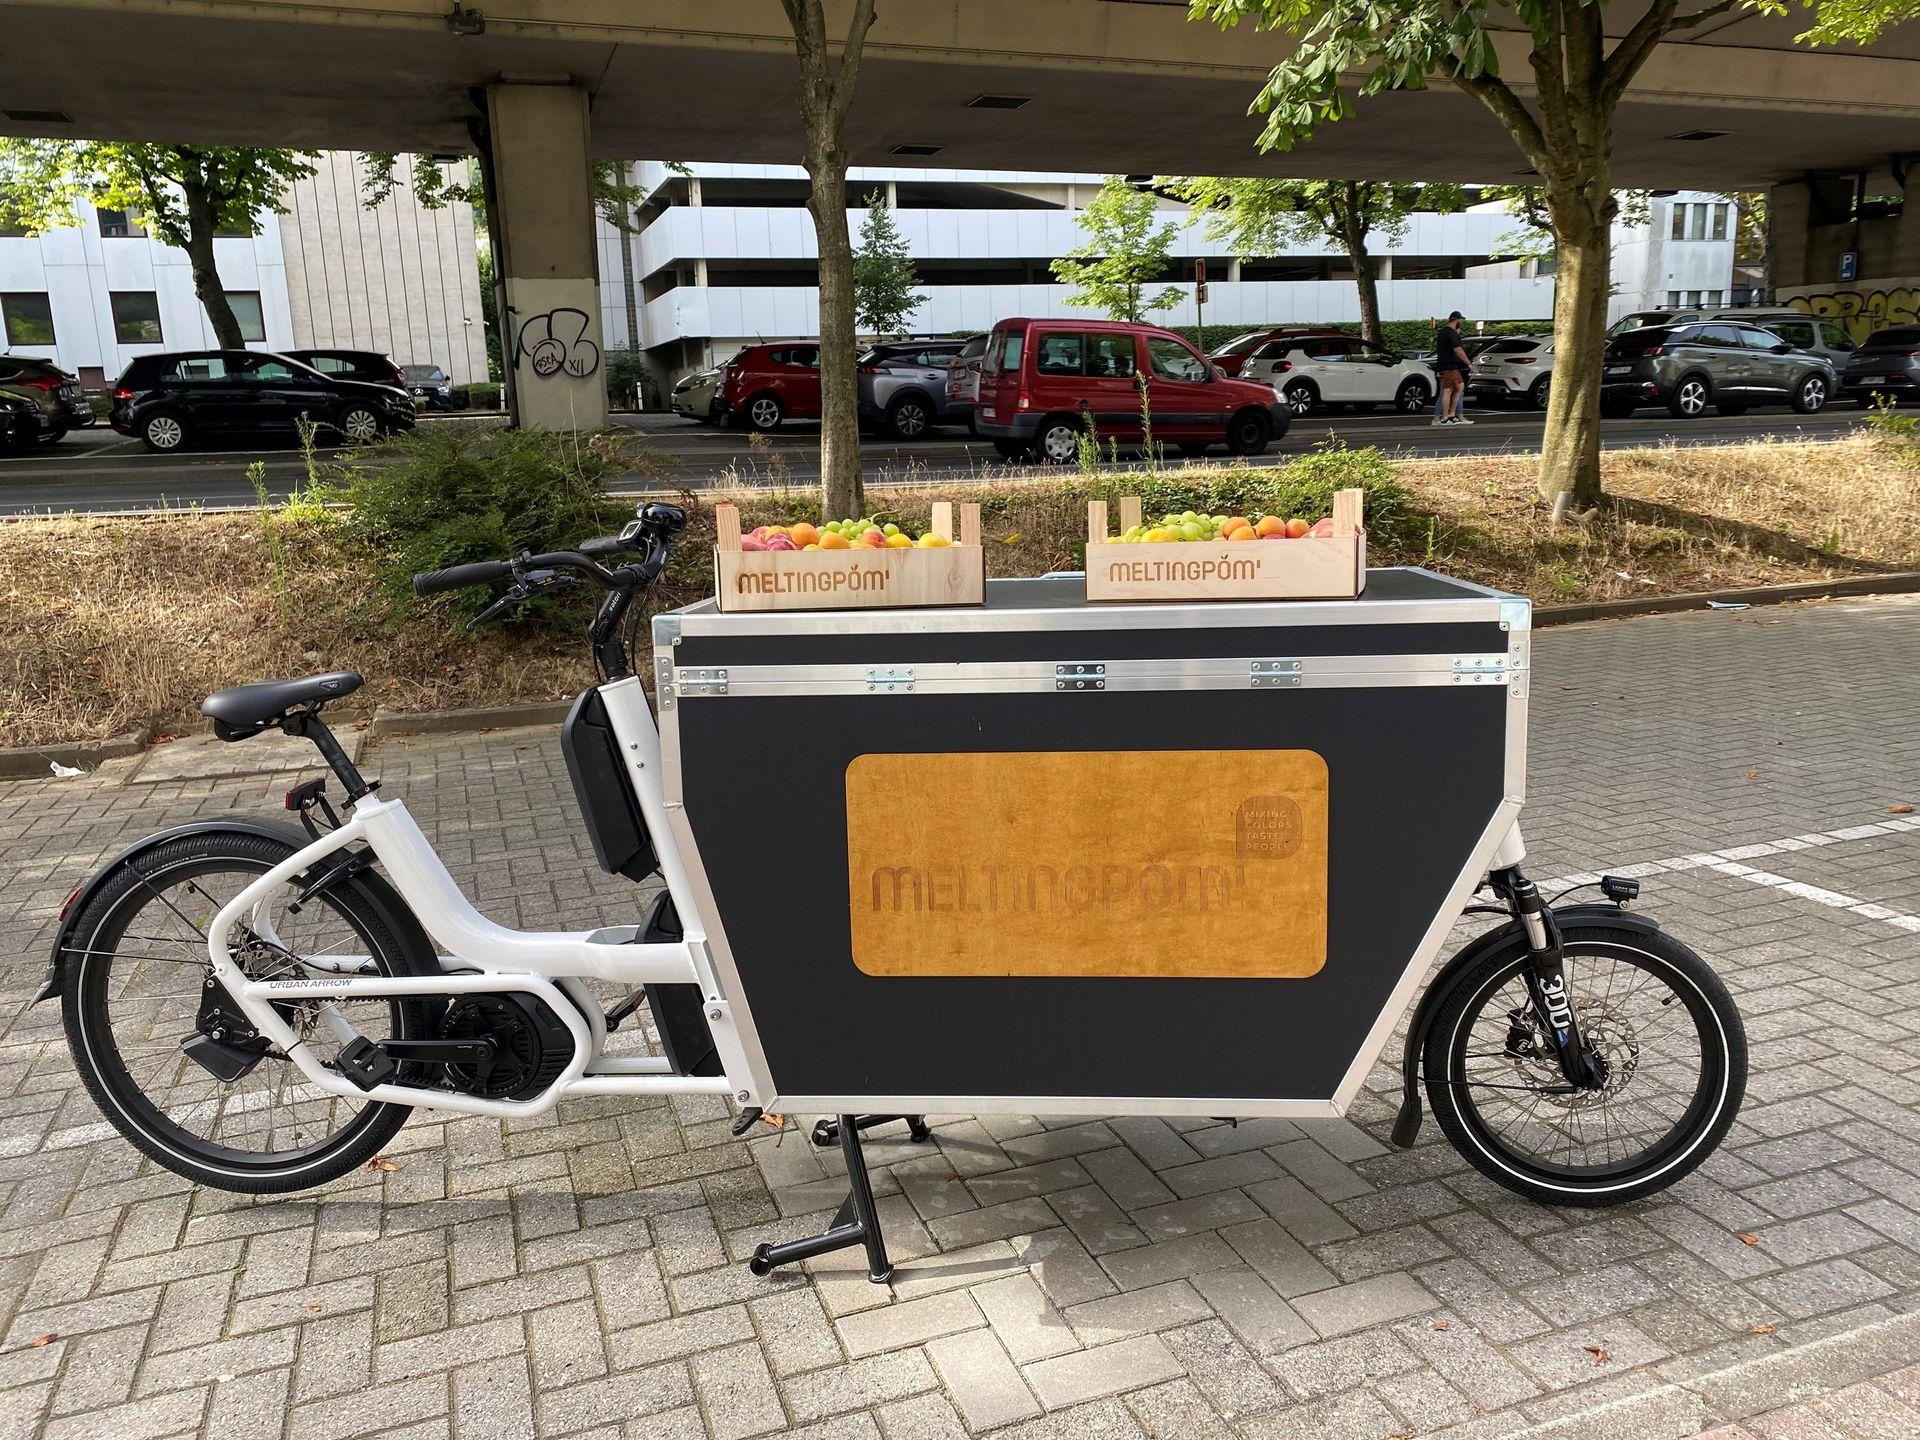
x=1849, y=264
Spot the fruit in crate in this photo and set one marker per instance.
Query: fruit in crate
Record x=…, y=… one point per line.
x=1189, y=525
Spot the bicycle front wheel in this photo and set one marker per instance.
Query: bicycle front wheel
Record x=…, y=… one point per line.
x=1671, y=1047
x=139, y=985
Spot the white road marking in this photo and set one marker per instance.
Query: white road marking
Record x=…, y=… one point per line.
x=1729, y=862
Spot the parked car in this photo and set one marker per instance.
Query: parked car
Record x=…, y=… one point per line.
x=1649, y=319
x=169, y=401
x=963, y=380
x=50, y=390
x=903, y=386
x=1513, y=367
x=1688, y=367
x=1231, y=358
x=19, y=424
x=429, y=385
x=1804, y=332
x=1316, y=371
x=765, y=385
x=1042, y=381
x=1886, y=363
x=697, y=396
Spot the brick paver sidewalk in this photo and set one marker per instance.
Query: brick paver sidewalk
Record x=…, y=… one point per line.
x=580, y=1275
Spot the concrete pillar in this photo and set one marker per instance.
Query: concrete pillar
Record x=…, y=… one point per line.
x=1789, y=225
x=543, y=216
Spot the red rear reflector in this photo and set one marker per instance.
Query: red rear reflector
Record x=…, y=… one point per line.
x=121, y=392
x=1026, y=401
x=43, y=382
x=67, y=904
x=1523, y=360
x=1284, y=365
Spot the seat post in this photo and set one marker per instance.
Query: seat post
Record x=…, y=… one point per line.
x=308, y=725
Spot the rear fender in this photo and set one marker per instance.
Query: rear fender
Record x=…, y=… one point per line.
x=1406, y=1125
x=379, y=893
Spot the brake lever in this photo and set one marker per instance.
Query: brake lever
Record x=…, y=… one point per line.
x=507, y=601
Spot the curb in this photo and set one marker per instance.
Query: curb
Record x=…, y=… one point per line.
x=1899, y=582
x=35, y=762
x=451, y=722
x=1746, y=1388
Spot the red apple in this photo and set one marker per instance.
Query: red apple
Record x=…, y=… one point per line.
x=1322, y=528
x=748, y=542
x=780, y=542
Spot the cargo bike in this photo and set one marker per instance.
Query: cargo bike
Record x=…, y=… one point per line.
x=1037, y=855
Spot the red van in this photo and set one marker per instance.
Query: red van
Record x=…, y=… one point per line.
x=765, y=384
x=1041, y=379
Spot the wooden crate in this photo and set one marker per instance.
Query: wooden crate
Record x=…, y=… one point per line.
x=855, y=579
x=1327, y=567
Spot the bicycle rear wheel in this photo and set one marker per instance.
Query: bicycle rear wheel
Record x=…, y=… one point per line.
x=140, y=985
x=1670, y=1042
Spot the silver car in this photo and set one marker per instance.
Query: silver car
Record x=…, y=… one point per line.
x=1822, y=337
x=903, y=387
x=1514, y=367
x=963, y=380
x=697, y=396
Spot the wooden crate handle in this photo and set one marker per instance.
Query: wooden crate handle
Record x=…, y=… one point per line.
x=726, y=525
x=970, y=524
x=1096, y=522
x=1347, y=506
x=942, y=522
x=1129, y=512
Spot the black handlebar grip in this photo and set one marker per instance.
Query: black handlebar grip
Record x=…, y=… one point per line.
x=458, y=577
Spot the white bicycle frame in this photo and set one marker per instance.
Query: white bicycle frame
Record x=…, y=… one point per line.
x=481, y=957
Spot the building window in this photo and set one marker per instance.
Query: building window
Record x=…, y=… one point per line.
x=1679, y=221
x=136, y=317
x=1719, y=222
x=245, y=305
x=118, y=225
x=1673, y=299
x=29, y=318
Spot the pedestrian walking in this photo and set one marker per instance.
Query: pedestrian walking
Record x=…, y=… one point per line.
x=1450, y=364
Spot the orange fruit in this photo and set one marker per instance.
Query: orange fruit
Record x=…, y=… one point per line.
x=1270, y=525
x=1296, y=528
x=1239, y=532
x=803, y=534
x=834, y=540
x=1238, y=522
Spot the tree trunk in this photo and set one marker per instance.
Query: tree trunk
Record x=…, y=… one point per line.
x=624, y=232
x=201, y=223
x=841, y=492
x=1582, y=228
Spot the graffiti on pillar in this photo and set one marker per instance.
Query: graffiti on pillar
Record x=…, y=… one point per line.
x=1861, y=312
x=556, y=343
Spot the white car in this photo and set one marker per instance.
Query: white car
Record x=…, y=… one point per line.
x=696, y=396
x=1514, y=367
x=1311, y=372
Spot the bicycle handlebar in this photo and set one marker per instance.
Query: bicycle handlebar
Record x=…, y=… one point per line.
x=458, y=577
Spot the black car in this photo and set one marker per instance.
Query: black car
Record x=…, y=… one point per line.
x=19, y=424
x=1719, y=363
x=430, y=386
x=170, y=401
x=1886, y=365
x=50, y=390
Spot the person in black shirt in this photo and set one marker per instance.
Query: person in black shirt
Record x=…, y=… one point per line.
x=1450, y=364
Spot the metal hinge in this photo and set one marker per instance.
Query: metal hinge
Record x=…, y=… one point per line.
x=1274, y=674
x=711, y=681
x=1479, y=669
x=890, y=680
x=1080, y=675
x=663, y=681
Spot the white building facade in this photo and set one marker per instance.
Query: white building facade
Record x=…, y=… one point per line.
x=326, y=273
x=725, y=255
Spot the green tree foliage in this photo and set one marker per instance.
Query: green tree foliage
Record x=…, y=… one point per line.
x=883, y=273
x=1559, y=113
x=184, y=194
x=1533, y=239
x=1258, y=217
x=1124, y=252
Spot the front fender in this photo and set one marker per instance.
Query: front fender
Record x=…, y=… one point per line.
x=382, y=895
x=1406, y=1125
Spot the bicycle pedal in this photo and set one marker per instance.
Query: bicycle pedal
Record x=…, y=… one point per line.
x=365, y=1063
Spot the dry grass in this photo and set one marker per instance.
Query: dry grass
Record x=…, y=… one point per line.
x=110, y=624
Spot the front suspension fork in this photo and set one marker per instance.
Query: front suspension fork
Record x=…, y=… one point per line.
x=1545, y=976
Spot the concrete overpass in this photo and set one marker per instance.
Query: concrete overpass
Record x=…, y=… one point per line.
x=1129, y=86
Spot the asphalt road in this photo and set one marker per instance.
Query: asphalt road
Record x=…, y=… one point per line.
x=97, y=470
